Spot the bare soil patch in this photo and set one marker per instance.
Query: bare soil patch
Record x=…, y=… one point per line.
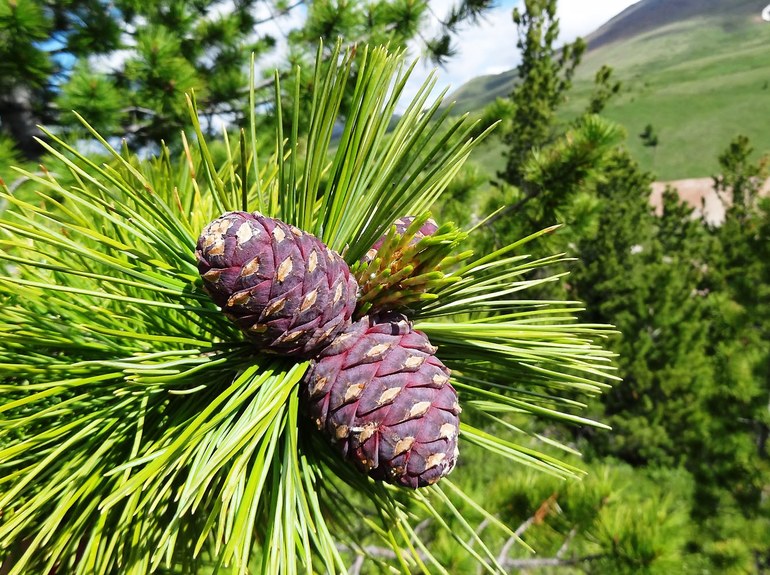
x=699, y=193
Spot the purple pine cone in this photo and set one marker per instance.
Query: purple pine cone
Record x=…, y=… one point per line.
x=281, y=285
x=385, y=401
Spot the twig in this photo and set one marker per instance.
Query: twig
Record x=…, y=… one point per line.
x=513, y=208
x=481, y=528
x=355, y=569
x=503, y=556
x=422, y=525
x=563, y=549
x=548, y=562
x=545, y=509
x=280, y=13
x=139, y=110
x=374, y=551
x=15, y=184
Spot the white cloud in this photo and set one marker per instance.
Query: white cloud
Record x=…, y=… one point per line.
x=580, y=18
x=277, y=26
x=490, y=47
x=112, y=62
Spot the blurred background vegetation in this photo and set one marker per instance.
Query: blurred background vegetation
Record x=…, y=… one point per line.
x=682, y=482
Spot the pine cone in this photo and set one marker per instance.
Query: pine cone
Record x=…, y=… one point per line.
x=384, y=399
x=402, y=224
x=281, y=285
x=405, y=269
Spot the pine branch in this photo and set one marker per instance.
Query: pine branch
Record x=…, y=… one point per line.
x=175, y=423
x=530, y=194
x=280, y=13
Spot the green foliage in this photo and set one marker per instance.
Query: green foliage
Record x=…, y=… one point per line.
x=741, y=180
x=22, y=24
x=550, y=167
x=501, y=111
x=740, y=277
x=141, y=432
x=163, y=76
x=694, y=366
x=95, y=96
x=689, y=302
x=648, y=137
x=8, y=157
x=391, y=22
x=545, y=74
x=441, y=48
x=616, y=520
x=558, y=179
x=556, y=173
x=135, y=61
x=605, y=88
x=636, y=274
x=461, y=203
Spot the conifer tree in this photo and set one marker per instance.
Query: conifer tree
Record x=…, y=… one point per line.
x=550, y=166
x=127, y=64
x=733, y=485
x=545, y=74
x=691, y=354
x=644, y=273
x=688, y=301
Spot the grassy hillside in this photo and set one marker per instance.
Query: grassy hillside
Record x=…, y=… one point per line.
x=482, y=90
x=699, y=80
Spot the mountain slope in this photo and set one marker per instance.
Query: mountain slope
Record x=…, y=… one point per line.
x=650, y=15
x=696, y=70
x=699, y=81
x=482, y=90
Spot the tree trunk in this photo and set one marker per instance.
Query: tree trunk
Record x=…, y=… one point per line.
x=18, y=121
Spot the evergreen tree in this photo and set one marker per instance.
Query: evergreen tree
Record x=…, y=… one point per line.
x=693, y=362
x=545, y=75
x=550, y=167
x=689, y=301
x=158, y=51
x=643, y=272
x=740, y=332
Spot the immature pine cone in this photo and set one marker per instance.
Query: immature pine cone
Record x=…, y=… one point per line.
x=402, y=224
